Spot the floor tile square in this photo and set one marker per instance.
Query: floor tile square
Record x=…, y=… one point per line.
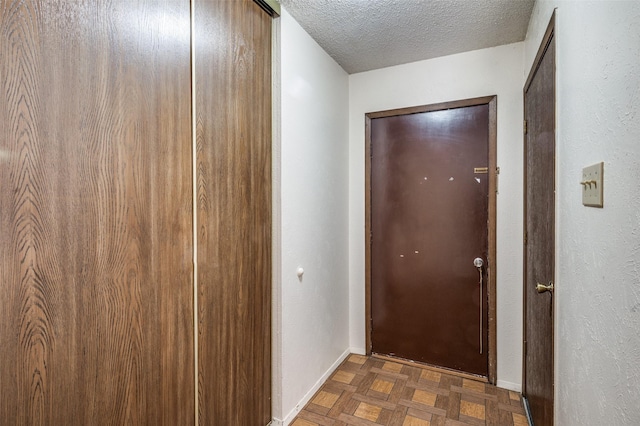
x=413, y=421
x=472, y=409
x=519, y=420
x=382, y=386
x=473, y=385
x=393, y=367
x=343, y=377
x=325, y=399
x=367, y=411
x=357, y=359
x=424, y=397
x=303, y=422
x=432, y=376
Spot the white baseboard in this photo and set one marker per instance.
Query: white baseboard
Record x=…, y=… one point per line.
x=289, y=417
x=516, y=387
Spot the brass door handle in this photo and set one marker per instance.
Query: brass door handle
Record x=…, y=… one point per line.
x=541, y=288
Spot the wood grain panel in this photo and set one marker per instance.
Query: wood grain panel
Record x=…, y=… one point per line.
x=539, y=227
x=233, y=136
x=95, y=213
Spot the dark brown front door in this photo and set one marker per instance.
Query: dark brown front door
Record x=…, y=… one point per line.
x=429, y=221
x=539, y=99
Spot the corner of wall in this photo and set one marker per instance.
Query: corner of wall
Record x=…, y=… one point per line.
x=313, y=217
x=316, y=386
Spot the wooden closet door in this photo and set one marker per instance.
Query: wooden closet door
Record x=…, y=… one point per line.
x=233, y=110
x=96, y=296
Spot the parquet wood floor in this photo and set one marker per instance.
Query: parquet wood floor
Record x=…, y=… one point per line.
x=368, y=391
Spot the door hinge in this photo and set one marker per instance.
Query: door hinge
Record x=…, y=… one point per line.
x=524, y=127
x=525, y=348
x=525, y=238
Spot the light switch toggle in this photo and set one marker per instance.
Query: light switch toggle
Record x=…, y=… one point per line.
x=592, y=185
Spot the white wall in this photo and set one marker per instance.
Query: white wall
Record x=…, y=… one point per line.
x=598, y=274
x=311, y=334
x=598, y=259
x=494, y=71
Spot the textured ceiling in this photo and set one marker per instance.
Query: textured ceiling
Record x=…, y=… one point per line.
x=362, y=35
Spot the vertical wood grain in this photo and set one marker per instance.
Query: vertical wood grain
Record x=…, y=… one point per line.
x=539, y=227
x=95, y=213
x=233, y=137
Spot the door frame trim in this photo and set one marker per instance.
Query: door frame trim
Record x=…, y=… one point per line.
x=493, y=190
x=544, y=45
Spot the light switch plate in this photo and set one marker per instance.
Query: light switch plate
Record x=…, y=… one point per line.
x=592, y=189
